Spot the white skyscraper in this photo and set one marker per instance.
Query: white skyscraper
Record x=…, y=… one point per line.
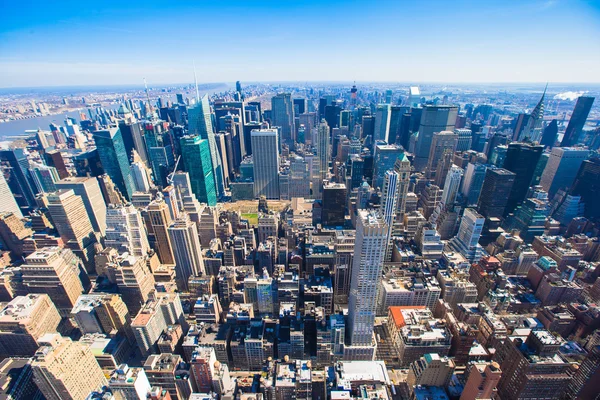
x=467, y=240
x=186, y=249
x=402, y=167
x=7, y=199
x=452, y=185
x=323, y=152
x=372, y=235
x=265, y=152
x=125, y=230
x=139, y=172
x=389, y=196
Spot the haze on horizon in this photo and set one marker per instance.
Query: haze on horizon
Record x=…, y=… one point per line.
x=116, y=43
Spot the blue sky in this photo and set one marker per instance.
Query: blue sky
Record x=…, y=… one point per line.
x=47, y=43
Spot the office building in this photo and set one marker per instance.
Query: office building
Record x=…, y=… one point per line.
x=102, y=313
x=433, y=119
x=430, y=370
x=496, y=188
x=129, y=383
x=44, y=178
x=12, y=233
x=521, y=159
x=577, y=121
x=63, y=369
x=187, y=251
x=91, y=195
x=472, y=182
x=16, y=380
x=161, y=370
x=334, y=204
x=160, y=220
x=55, y=272
x=452, y=185
x=23, y=321
x=382, y=122
x=200, y=124
x=133, y=279
x=114, y=159
x=482, y=381
x=561, y=168
x=372, y=235
x=282, y=115
x=7, y=199
x=467, y=240
x=323, y=154
x=550, y=134
x=265, y=147
x=384, y=159
x=15, y=166
x=587, y=186
x=196, y=157
x=125, y=230
x=441, y=143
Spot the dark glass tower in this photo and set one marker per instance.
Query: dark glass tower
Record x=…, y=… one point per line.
x=521, y=159
x=497, y=186
x=113, y=157
x=577, y=121
x=587, y=185
x=550, y=134
x=16, y=170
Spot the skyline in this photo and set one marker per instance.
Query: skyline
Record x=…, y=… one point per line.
x=70, y=44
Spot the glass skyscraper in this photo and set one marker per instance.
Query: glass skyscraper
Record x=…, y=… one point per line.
x=196, y=157
x=114, y=159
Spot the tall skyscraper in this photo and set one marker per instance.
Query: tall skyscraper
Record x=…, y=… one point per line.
x=323, y=153
x=91, y=195
x=433, y=119
x=561, y=168
x=282, y=115
x=12, y=233
x=187, y=251
x=384, y=159
x=467, y=240
x=63, y=369
x=382, y=122
x=44, y=178
x=140, y=174
x=452, y=185
x=15, y=166
x=372, y=235
x=522, y=160
x=195, y=152
x=265, y=147
x=200, y=123
x=114, y=159
x=403, y=168
x=55, y=272
x=441, y=142
x=550, y=134
x=587, y=185
x=7, y=199
x=497, y=186
x=73, y=224
x=160, y=220
x=334, y=204
x=577, y=121
x=473, y=182
x=125, y=230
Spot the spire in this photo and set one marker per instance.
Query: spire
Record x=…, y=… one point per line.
x=196, y=83
x=538, y=111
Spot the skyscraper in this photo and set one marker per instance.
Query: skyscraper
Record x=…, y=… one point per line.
x=15, y=166
x=561, y=168
x=55, y=272
x=497, y=186
x=200, y=123
x=473, y=182
x=114, y=159
x=63, y=369
x=522, y=160
x=195, y=152
x=334, y=204
x=160, y=220
x=7, y=199
x=125, y=230
x=282, y=115
x=402, y=167
x=433, y=119
x=467, y=240
x=73, y=224
x=550, y=134
x=452, y=185
x=587, y=185
x=372, y=235
x=265, y=147
x=440, y=143
x=323, y=153
x=384, y=159
x=382, y=122
x=577, y=121
x=91, y=195
x=187, y=251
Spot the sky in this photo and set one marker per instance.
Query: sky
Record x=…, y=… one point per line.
x=65, y=43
